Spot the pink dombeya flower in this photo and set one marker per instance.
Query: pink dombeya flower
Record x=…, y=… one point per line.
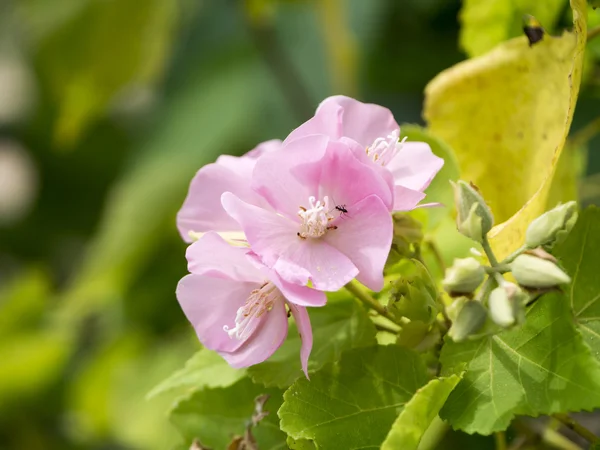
x=238, y=306
x=329, y=216
x=202, y=210
x=371, y=131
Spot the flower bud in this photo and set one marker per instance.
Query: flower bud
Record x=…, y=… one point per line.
x=507, y=305
x=407, y=233
x=552, y=226
x=533, y=272
x=465, y=275
x=470, y=319
x=414, y=295
x=474, y=218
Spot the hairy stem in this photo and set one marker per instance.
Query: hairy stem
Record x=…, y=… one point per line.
x=577, y=428
x=487, y=248
x=358, y=291
x=510, y=258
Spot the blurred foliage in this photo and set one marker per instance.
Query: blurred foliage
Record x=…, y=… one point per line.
x=118, y=105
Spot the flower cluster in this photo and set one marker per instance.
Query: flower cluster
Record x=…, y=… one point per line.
x=275, y=229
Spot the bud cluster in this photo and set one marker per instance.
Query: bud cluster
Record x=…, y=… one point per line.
x=483, y=301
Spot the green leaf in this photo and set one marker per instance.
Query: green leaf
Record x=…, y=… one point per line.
x=419, y=412
x=300, y=444
x=352, y=404
x=487, y=110
x=438, y=190
x=106, y=47
x=578, y=255
x=205, y=369
x=214, y=416
x=341, y=325
x=541, y=368
x=486, y=24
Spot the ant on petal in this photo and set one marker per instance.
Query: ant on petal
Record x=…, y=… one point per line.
x=342, y=209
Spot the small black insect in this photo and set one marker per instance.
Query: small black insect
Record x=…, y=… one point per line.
x=532, y=29
x=342, y=209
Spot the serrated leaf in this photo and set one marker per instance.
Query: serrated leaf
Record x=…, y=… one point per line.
x=485, y=24
x=541, y=368
x=419, y=412
x=340, y=325
x=215, y=416
x=205, y=369
x=352, y=404
x=438, y=190
x=578, y=254
x=488, y=110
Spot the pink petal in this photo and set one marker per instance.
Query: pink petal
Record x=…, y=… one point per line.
x=363, y=122
x=289, y=177
x=328, y=122
x=347, y=181
x=415, y=165
x=244, y=165
x=202, y=210
x=211, y=255
x=267, y=338
x=297, y=294
x=406, y=199
x=305, y=331
x=274, y=238
x=210, y=303
x=365, y=238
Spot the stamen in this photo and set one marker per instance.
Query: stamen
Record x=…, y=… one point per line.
x=259, y=302
x=383, y=150
x=315, y=219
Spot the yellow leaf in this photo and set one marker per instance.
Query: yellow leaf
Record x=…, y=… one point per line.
x=507, y=114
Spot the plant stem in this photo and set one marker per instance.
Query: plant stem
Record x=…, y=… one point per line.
x=577, y=428
x=356, y=289
x=582, y=136
x=594, y=32
x=383, y=327
x=487, y=248
x=437, y=255
x=513, y=255
x=500, y=438
x=500, y=268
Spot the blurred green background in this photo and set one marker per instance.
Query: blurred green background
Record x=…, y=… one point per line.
x=107, y=109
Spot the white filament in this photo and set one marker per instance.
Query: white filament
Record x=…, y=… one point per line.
x=315, y=219
x=259, y=302
x=383, y=150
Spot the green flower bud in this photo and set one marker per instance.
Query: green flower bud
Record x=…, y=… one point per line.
x=507, y=305
x=474, y=218
x=414, y=295
x=469, y=320
x=465, y=275
x=552, y=226
x=533, y=272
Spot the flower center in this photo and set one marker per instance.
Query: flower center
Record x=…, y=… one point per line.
x=316, y=218
x=259, y=302
x=383, y=150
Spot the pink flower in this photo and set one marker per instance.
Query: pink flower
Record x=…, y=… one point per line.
x=238, y=306
x=329, y=216
x=371, y=131
x=202, y=210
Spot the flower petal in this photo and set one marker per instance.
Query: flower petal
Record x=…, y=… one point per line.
x=365, y=237
x=297, y=294
x=211, y=255
x=274, y=239
x=415, y=165
x=244, y=165
x=267, y=338
x=305, y=331
x=289, y=177
x=210, y=303
x=327, y=121
x=347, y=181
x=406, y=199
x=202, y=210
x=363, y=122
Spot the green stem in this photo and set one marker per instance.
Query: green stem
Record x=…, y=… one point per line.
x=500, y=438
x=594, y=32
x=436, y=255
x=582, y=136
x=500, y=268
x=510, y=258
x=355, y=288
x=383, y=327
x=577, y=428
x=487, y=248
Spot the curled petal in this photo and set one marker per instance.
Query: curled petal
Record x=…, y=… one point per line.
x=415, y=166
x=305, y=330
